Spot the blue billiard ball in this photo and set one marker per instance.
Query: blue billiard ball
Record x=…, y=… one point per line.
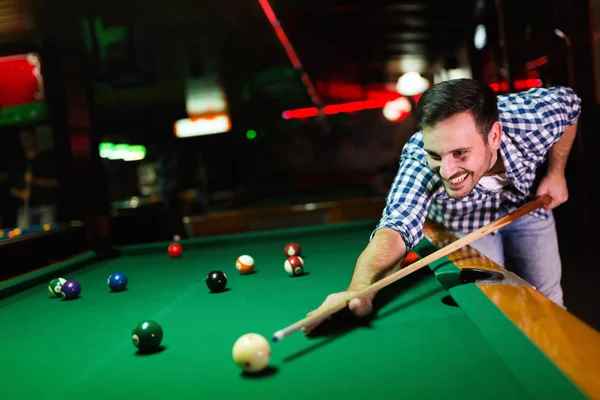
x=117, y=281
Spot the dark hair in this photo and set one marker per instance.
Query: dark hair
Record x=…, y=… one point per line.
x=456, y=96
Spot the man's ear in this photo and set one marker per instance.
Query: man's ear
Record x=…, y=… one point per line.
x=495, y=135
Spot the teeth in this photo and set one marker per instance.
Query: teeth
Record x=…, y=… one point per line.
x=459, y=179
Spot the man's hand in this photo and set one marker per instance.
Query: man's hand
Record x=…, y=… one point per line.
x=379, y=259
x=359, y=306
x=554, y=185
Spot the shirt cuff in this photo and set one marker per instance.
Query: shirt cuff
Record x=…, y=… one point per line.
x=398, y=228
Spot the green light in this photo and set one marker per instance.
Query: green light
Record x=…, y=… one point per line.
x=123, y=152
x=251, y=134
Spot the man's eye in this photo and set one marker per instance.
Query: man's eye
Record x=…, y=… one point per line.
x=460, y=152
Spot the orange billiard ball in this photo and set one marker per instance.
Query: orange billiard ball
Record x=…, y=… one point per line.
x=175, y=250
x=244, y=264
x=410, y=258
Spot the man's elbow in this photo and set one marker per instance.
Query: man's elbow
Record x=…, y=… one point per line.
x=390, y=238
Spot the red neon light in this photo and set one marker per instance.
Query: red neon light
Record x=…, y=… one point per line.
x=378, y=99
x=354, y=106
x=287, y=46
x=301, y=113
x=538, y=62
x=519, y=84
x=525, y=84
x=499, y=86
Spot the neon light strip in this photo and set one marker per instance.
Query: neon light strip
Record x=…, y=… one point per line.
x=519, y=84
x=304, y=113
x=354, y=106
x=287, y=46
x=538, y=62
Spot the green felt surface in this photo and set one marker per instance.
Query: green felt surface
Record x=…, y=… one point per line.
x=417, y=347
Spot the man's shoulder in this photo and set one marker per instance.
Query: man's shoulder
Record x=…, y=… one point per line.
x=533, y=99
x=414, y=149
x=541, y=110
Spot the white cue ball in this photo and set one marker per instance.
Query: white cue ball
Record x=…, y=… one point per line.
x=251, y=352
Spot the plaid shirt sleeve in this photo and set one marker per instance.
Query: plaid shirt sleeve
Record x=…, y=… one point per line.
x=561, y=109
x=545, y=111
x=410, y=195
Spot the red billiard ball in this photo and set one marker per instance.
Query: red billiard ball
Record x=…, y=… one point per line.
x=294, y=266
x=175, y=250
x=410, y=258
x=292, y=249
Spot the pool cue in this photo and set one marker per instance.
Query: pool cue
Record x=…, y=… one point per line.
x=458, y=244
x=26, y=200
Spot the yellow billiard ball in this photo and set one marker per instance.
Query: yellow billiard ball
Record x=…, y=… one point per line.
x=252, y=352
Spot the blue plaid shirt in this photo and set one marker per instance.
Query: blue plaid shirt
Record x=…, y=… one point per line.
x=531, y=122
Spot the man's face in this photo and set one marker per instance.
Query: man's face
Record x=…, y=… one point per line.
x=457, y=152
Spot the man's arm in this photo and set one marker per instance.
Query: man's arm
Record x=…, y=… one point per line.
x=400, y=228
x=554, y=183
x=566, y=106
x=378, y=259
x=559, y=153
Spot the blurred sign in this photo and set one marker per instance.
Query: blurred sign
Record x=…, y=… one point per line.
x=21, y=89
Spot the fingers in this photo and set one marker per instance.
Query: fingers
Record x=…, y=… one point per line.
x=361, y=307
x=308, y=329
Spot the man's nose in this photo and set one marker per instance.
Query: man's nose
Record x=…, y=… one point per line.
x=448, y=168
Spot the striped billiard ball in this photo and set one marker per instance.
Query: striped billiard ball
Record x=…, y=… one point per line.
x=55, y=286
x=292, y=249
x=245, y=264
x=294, y=266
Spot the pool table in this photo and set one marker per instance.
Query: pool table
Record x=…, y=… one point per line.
x=11, y=233
x=436, y=333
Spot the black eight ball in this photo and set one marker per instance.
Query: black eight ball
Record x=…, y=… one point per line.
x=216, y=281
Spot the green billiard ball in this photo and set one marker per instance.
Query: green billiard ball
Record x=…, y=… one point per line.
x=147, y=336
x=55, y=286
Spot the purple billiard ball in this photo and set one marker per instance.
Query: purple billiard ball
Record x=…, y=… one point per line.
x=70, y=289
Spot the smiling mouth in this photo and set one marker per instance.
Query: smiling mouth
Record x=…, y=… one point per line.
x=456, y=182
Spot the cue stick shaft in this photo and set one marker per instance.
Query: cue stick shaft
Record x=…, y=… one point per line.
x=456, y=245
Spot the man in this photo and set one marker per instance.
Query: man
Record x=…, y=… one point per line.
x=474, y=160
x=33, y=181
